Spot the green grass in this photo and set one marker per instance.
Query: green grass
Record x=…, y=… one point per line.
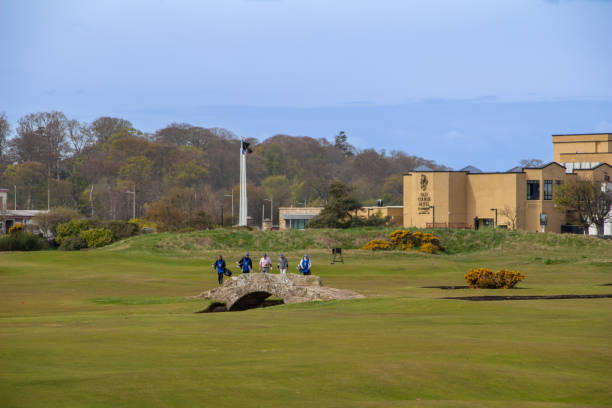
x=114, y=327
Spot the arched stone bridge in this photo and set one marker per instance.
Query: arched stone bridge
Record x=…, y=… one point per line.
x=252, y=289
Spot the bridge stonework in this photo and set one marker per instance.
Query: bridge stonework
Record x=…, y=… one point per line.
x=252, y=289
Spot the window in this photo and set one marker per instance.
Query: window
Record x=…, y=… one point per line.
x=558, y=183
x=548, y=189
x=487, y=222
x=533, y=189
x=297, y=224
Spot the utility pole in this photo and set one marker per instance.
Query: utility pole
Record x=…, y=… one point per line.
x=91, y=199
x=133, y=193
x=271, y=209
x=15, y=197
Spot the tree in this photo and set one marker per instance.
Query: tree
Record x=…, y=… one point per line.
x=338, y=211
x=587, y=200
x=512, y=214
x=5, y=130
x=29, y=177
x=393, y=189
x=79, y=136
x=528, y=163
x=41, y=137
x=341, y=142
x=183, y=134
x=48, y=221
x=103, y=128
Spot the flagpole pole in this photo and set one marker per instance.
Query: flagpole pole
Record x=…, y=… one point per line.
x=242, y=221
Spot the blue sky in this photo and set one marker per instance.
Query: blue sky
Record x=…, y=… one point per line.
x=460, y=82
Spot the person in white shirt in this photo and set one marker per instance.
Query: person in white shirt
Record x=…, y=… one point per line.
x=264, y=264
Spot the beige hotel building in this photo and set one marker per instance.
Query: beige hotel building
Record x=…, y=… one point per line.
x=521, y=198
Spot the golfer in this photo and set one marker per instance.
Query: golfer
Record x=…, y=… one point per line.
x=265, y=263
x=219, y=265
x=304, y=265
x=245, y=264
x=283, y=264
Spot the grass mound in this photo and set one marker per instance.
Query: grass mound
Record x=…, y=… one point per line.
x=454, y=241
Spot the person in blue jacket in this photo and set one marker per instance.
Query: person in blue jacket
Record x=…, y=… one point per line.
x=305, y=265
x=245, y=264
x=219, y=266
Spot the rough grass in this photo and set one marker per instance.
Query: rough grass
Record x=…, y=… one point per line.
x=113, y=327
x=455, y=241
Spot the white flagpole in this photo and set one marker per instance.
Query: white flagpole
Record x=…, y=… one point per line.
x=242, y=216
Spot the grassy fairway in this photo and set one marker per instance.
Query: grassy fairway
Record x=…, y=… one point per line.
x=113, y=328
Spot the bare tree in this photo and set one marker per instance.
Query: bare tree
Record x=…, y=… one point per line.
x=103, y=128
x=588, y=200
x=530, y=163
x=79, y=136
x=41, y=137
x=512, y=214
x=5, y=130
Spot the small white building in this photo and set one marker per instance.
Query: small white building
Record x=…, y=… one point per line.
x=8, y=218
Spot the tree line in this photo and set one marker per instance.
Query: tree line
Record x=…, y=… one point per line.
x=108, y=169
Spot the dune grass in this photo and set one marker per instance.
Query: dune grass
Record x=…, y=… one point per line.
x=455, y=241
x=114, y=327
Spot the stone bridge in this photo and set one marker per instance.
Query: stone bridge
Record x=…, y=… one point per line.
x=252, y=289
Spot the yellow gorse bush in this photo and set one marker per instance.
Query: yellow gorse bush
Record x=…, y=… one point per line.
x=16, y=228
x=484, y=278
x=407, y=240
x=377, y=244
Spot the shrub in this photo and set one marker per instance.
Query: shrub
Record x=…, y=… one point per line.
x=22, y=241
x=49, y=221
x=70, y=228
x=378, y=244
x=16, y=228
x=484, y=278
x=428, y=248
x=120, y=229
x=73, y=243
x=406, y=240
x=166, y=216
x=97, y=237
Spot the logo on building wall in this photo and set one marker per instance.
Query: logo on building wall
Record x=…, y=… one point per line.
x=424, y=182
x=424, y=200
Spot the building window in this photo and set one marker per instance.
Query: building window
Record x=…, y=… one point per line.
x=548, y=189
x=533, y=189
x=297, y=224
x=558, y=183
x=487, y=222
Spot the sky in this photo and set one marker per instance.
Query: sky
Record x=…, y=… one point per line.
x=480, y=82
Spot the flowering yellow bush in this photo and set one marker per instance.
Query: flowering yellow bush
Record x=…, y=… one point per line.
x=16, y=228
x=406, y=240
x=428, y=248
x=484, y=278
x=377, y=244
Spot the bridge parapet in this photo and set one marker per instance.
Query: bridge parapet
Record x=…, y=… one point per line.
x=252, y=289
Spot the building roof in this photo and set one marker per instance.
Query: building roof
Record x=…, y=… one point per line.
x=545, y=165
x=24, y=213
x=299, y=216
x=471, y=169
x=422, y=167
x=583, y=134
